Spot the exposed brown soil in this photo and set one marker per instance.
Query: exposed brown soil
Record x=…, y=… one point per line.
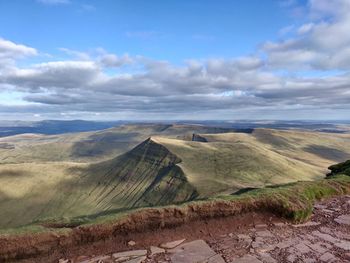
x=50, y=247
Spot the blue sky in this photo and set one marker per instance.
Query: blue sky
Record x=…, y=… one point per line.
x=170, y=30
x=163, y=59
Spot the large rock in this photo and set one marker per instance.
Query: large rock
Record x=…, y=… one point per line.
x=195, y=251
x=343, y=219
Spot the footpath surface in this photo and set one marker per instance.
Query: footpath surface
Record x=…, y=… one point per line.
x=325, y=238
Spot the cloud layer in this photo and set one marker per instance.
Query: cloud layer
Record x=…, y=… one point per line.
x=306, y=75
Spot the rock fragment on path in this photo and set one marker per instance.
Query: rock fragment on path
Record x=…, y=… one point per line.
x=343, y=245
x=95, y=259
x=136, y=260
x=328, y=257
x=130, y=253
x=247, y=259
x=195, y=251
x=131, y=243
x=156, y=250
x=173, y=244
x=343, y=219
x=307, y=224
x=264, y=234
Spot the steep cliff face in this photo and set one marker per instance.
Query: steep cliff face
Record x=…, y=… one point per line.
x=147, y=175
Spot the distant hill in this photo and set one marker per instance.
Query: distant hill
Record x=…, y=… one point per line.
x=91, y=146
x=53, y=126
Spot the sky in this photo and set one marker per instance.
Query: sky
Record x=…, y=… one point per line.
x=167, y=59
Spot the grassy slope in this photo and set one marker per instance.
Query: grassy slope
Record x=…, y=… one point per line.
x=236, y=160
x=145, y=176
x=163, y=171
x=293, y=201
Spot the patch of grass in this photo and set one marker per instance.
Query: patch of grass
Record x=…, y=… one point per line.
x=295, y=200
x=32, y=229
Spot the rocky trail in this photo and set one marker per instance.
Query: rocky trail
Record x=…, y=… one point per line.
x=250, y=238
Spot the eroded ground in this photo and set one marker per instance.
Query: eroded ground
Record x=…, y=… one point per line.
x=253, y=239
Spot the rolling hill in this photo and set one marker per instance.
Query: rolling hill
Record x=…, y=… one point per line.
x=90, y=146
x=171, y=166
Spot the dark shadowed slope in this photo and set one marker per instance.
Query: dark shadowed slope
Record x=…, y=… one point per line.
x=147, y=175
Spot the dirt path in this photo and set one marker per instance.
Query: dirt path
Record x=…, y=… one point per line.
x=250, y=238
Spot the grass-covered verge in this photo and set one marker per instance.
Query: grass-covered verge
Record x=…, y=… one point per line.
x=32, y=229
x=293, y=201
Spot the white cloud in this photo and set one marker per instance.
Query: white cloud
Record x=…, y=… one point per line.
x=272, y=79
x=10, y=50
x=321, y=44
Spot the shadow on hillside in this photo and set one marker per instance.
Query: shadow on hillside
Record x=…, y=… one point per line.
x=327, y=153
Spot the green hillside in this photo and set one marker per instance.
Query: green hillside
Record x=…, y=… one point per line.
x=164, y=169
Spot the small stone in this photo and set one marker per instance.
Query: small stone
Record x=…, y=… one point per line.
x=131, y=253
x=231, y=235
x=302, y=248
x=131, y=243
x=309, y=260
x=243, y=237
x=122, y=259
x=261, y=226
x=173, y=244
x=327, y=211
x=215, y=259
x=318, y=206
x=264, y=233
x=285, y=244
x=317, y=247
x=62, y=260
x=291, y=258
x=266, y=258
x=325, y=237
x=247, y=259
x=343, y=219
x=311, y=223
x=280, y=224
x=95, y=259
x=264, y=249
x=347, y=256
x=156, y=250
x=256, y=244
x=136, y=260
x=343, y=245
x=327, y=257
